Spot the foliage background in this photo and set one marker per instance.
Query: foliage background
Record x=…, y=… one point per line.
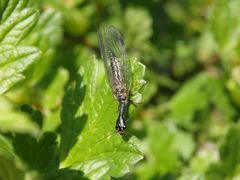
x=188, y=124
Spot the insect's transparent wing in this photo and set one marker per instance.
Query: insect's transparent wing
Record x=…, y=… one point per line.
x=116, y=45
x=105, y=54
x=111, y=43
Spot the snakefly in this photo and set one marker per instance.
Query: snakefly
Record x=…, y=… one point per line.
x=118, y=69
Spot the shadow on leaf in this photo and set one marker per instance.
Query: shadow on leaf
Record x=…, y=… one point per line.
x=72, y=124
x=40, y=154
x=64, y=174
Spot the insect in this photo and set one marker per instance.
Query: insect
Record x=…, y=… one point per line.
x=118, y=69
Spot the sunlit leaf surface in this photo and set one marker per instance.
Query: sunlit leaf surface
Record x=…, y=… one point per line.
x=89, y=141
x=16, y=22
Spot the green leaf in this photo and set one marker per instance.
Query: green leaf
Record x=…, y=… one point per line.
x=227, y=166
x=40, y=154
x=224, y=23
x=27, y=156
x=183, y=105
x=16, y=23
x=6, y=148
x=161, y=150
x=46, y=35
x=15, y=121
x=137, y=82
x=9, y=6
x=186, y=149
x=204, y=157
x=164, y=154
x=53, y=100
x=191, y=175
x=9, y=168
x=89, y=142
x=206, y=90
x=139, y=18
x=65, y=174
x=229, y=151
x=184, y=61
x=14, y=60
x=76, y=22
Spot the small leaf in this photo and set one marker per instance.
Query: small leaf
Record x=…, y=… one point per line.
x=191, y=175
x=183, y=105
x=46, y=35
x=15, y=121
x=137, y=82
x=6, y=148
x=90, y=111
x=40, y=154
x=224, y=23
x=64, y=174
x=230, y=149
x=139, y=18
x=9, y=167
x=52, y=99
x=14, y=60
x=165, y=157
x=206, y=90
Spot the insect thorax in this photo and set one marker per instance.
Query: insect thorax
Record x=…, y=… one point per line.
x=120, y=92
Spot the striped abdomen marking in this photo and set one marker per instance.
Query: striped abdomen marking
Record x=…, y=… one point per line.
x=116, y=70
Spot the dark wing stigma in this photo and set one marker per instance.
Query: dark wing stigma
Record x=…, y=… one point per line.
x=118, y=69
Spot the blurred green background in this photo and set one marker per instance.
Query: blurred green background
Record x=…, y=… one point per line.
x=189, y=121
